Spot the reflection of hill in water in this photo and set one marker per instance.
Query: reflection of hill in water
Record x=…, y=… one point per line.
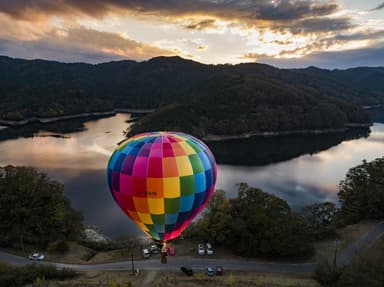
x=377, y=115
x=261, y=150
x=56, y=128
x=254, y=151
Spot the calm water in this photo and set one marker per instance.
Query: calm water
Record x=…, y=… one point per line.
x=300, y=169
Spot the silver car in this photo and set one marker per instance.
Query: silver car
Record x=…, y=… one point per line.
x=200, y=249
x=36, y=257
x=209, y=248
x=145, y=252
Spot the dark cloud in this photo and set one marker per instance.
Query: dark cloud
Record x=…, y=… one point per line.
x=362, y=35
x=52, y=51
x=201, y=24
x=328, y=60
x=80, y=45
x=246, y=10
x=381, y=6
x=314, y=25
x=291, y=10
x=298, y=16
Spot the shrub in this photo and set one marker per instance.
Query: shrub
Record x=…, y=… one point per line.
x=11, y=276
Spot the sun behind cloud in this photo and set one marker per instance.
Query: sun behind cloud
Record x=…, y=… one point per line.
x=272, y=31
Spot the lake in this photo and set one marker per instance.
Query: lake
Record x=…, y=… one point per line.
x=301, y=169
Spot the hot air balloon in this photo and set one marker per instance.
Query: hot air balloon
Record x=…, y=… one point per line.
x=162, y=180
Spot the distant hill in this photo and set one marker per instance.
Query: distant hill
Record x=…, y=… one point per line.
x=232, y=105
x=46, y=88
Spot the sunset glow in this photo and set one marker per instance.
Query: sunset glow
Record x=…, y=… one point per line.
x=283, y=33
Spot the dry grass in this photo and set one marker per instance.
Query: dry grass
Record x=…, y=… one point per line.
x=79, y=254
x=376, y=251
x=115, y=256
x=176, y=279
x=347, y=235
x=75, y=254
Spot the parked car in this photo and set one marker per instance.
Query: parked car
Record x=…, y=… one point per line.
x=209, y=271
x=187, y=270
x=219, y=270
x=209, y=248
x=171, y=251
x=200, y=249
x=36, y=257
x=154, y=249
x=146, y=253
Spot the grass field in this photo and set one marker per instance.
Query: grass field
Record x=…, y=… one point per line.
x=178, y=279
x=346, y=235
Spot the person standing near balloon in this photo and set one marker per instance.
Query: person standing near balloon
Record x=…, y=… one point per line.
x=162, y=181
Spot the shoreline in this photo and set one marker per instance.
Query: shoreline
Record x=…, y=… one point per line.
x=7, y=123
x=216, y=138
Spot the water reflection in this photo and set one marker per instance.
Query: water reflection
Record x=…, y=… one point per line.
x=261, y=150
x=74, y=145
x=76, y=154
x=300, y=174
x=308, y=178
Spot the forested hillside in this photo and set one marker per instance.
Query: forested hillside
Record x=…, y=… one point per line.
x=47, y=88
x=253, y=103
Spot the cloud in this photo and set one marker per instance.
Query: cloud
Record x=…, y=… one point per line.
x=80, y=45
x=340, y=43
x=321, y=25
x=328, y=60
x=201, y=24
x=262, y=9
x=201, y=47
x=259, y=13
x=379, y=7
x=52, y=51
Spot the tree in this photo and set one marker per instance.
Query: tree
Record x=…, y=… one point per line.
x=214, y=226
x=320, y=219
x=34, y=210
x=361, y=193
x=263, y=224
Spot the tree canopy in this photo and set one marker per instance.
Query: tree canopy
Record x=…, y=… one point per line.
x=230, y=105
x=361, y=193
x=30, y=88
x=254, y=223
x=34, y=210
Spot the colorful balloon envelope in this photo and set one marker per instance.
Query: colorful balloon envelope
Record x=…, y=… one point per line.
x=162, y=180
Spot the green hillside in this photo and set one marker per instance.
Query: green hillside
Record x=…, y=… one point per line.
x=190, y=96
x=242, y=104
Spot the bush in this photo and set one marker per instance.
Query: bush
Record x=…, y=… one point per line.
x=367, y=272
x=11, y=276
x=326, y=274
x=60, y=246
x=101, y=246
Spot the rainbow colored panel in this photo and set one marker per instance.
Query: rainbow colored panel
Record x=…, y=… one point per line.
x=162, y=180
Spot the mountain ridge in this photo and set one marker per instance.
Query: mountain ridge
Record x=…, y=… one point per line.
x=40, y=88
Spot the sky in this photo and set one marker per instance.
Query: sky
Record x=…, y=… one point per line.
x=284, y=33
